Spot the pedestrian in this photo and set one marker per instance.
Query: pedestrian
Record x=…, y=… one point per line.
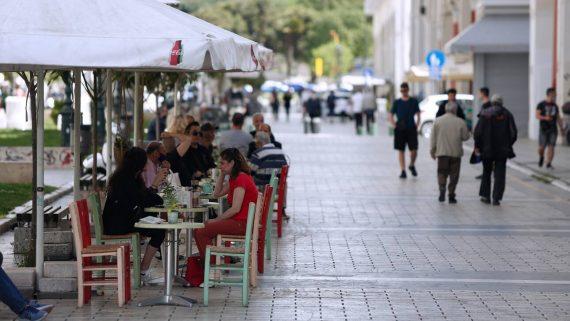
x=369, y=109
x=451, y=96
x=13, y=298
x=447, y=137
x=275, y=104
x=548, y=114
x=331, y=104
x=287, y=97
x=356, y=103
x=494, y=135
x=405, y=128
x=486, y=103
x=313, y=110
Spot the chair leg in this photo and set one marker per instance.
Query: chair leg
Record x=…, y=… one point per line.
x=245, y=282
x=80, y=288
x=260, y=256
x=206, y=276
x=279, y=218
x=121, y=276
x=136, y=250
x=268, y=239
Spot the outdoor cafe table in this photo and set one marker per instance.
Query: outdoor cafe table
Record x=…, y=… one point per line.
x=170, y=257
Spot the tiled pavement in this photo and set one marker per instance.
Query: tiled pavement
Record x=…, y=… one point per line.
x=363, y=245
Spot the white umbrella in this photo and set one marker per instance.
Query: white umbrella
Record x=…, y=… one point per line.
x=126, y=34
x=141, y=35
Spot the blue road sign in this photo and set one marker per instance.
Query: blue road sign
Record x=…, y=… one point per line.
x=435, y=58
x=368, y=72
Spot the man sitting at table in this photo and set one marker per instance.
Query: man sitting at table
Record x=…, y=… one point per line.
x=266, y=159
x=207, y=139
x=156, y=158
x=240, y=190
x=253, y=145
x=236, y=137
x=196, y=158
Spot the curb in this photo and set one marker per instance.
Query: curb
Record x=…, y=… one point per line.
x=10, y=219
x=532, y=173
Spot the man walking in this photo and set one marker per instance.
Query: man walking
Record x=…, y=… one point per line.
x=405, y=128
x=494, y=135
x=548, y=114
x=448, y=134
x=451, y=96
x=356, y=102
x=486, y=103
x=369, y=109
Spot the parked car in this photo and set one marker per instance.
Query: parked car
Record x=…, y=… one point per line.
x=430, y=105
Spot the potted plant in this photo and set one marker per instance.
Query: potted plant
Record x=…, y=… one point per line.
x=171, y=202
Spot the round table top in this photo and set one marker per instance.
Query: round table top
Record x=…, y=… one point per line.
x=178, y=209
x=168, y=226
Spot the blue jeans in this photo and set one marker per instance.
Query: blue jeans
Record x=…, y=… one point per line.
x=10, y=295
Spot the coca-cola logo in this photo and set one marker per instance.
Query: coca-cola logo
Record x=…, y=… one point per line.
x=176, y=53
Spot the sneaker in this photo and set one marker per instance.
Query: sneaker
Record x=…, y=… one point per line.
x=452, y=200
x=285, y=216
x=158, y=255
x=441, y=196
x=413, y=170
x=540, y=161
x=209, y=285
x=403, y=175
x=549, y=166
x=42, y=307
x=496, y=203
x=485, y=200
x=31, y=313
x=147, y=277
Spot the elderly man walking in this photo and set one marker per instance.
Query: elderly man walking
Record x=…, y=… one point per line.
x=448, y=134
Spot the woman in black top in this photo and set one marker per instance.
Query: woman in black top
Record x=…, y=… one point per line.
x=127, y=196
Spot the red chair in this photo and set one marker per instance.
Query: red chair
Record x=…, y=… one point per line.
x=263, y=227
x=86, y=252
x=281, y=192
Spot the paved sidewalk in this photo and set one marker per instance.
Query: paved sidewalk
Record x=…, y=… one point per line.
x=364, y=245
x=527, y=155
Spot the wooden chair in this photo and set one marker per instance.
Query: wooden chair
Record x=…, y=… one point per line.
x=132, y=238
x=240, y=252
x=281, y=199
x=86, y=252
x=274, y=181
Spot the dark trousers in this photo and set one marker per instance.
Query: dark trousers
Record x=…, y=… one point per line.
x=10, y=295
x=448, y=166
x=358, y=118
x=370, y=120
x=499, y=169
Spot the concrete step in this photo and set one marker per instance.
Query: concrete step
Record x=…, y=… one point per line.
x=60, y=269
x=57, y=285
x=23, y=278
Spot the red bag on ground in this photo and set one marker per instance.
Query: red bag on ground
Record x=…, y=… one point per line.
x=194, y=271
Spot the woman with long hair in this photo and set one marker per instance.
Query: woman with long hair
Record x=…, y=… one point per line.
x=241, y=191
x=127, y=196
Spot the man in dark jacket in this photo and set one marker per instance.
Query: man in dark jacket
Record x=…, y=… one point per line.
x=451, y=94
x=494, y=136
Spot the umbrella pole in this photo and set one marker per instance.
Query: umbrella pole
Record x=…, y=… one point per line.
x=76, y=133
x=138, y=110
x=40, y=176
x=109, y=123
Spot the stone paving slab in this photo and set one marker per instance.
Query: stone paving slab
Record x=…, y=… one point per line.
x=362, y=244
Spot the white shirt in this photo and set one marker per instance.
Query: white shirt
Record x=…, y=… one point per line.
x=357, y=102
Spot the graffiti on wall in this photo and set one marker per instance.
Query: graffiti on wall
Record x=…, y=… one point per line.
x=54, y=157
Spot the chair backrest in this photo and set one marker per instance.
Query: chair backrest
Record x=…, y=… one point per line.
x=267, y=201
x=283, y=176
x=257, y=217
x=79, y=215
x=249, y=228
x=94, y=201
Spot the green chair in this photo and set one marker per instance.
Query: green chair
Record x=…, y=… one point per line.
x=239, y=252
x=274, y=182
x=132, y=238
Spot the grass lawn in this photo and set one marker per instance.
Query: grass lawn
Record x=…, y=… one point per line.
x=12, y=195
x=14, y=137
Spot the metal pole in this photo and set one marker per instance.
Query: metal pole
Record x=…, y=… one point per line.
x=76, y=133
x=109, y=122
x=40, y=177
x=138, y=110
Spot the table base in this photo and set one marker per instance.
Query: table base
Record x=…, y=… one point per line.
x=174, y=300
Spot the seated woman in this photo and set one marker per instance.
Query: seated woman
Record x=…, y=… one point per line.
x=240, y=189
x=127, y=196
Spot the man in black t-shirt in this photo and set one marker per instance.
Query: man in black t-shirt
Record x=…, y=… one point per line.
x=406, y=128
x=451, y=96
x=486, y=103
x=548, y=114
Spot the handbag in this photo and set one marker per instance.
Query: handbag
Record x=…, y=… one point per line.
x=475, y=158
x=194, y=271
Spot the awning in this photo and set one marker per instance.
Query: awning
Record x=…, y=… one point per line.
x=493, y=34
x=454, y=69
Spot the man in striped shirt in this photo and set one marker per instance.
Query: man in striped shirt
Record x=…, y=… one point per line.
x=266, y=159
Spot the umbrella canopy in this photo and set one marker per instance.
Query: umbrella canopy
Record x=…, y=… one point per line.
x=128, y=34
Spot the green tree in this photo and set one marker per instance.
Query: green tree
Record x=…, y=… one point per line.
x=337, y=58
